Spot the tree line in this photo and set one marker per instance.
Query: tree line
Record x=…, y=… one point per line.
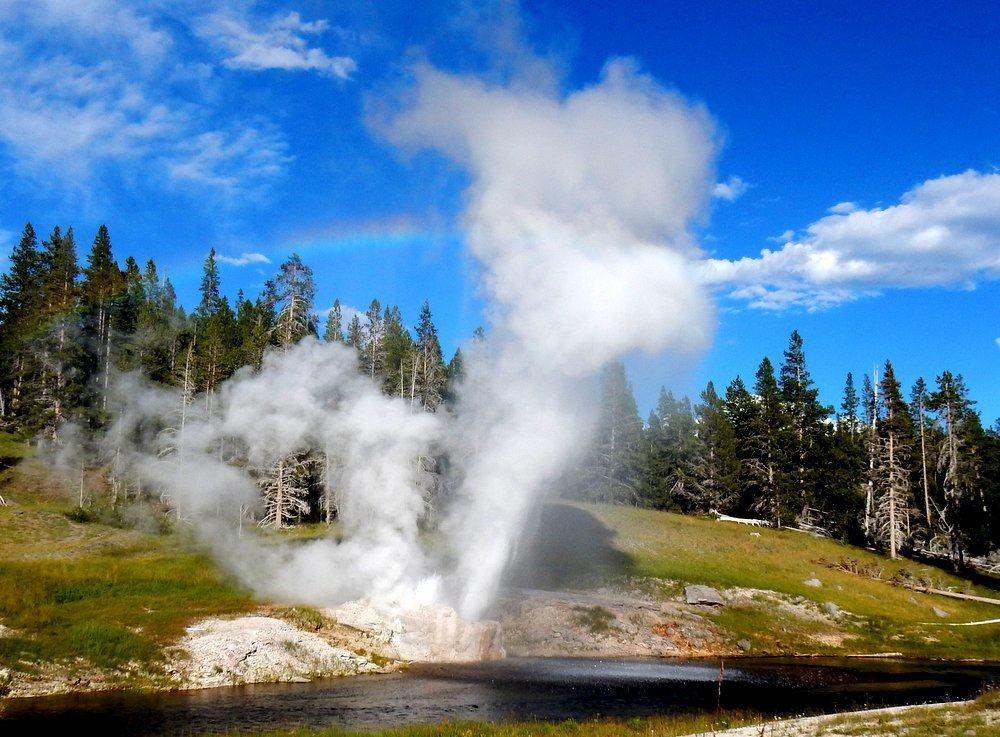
x=906, y=474
x=909, y=475
x=67, y=328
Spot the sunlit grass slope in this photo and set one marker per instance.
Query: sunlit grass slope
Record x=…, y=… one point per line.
x=690, y=549
x=92, y=594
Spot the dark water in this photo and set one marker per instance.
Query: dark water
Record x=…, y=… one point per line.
x=515, y=689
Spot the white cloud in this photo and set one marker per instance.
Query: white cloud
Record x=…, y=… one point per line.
x=731, y=189
x=943, y=232
x=997, y=341
x=98, y=87
x=784, y=237
x=843, y=208
x=279, y=43
x=244, y=258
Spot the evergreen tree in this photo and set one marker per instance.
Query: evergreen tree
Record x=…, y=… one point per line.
x=766, y=463
x=20, y=292
x=611, y=473
x=356, y=335
x=849, y=406
x=399, y=358
x=102, y=284
x=374, y=347
x=456, y=374
x=295, y=291
x=334, y=332
x=430, y=372
x=718, y=438
x=807, y=425
x=893, y=495
x=211, y=296
x=958, y=464
x=673, y=466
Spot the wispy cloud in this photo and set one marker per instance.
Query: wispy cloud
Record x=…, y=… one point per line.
x=944, y=232
x=731, y=189
x=244, y=259
x=279, y=42
x=92, y=89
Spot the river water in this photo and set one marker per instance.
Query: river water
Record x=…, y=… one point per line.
x=513, y=689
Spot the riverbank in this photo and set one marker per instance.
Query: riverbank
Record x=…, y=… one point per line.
x=93, y=601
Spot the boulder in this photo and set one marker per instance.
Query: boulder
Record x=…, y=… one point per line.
x=705, y=595
x=743, y=645
x=832, y=609
x=940, y=613
x=814, y=583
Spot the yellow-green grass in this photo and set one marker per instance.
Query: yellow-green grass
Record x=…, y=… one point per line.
x=980, y=718
x=895, y=619
x=85, y=595
x=659, y=726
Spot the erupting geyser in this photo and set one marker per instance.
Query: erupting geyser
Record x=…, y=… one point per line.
x=578, y=214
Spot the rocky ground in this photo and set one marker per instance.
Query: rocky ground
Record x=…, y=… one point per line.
x=647, y=619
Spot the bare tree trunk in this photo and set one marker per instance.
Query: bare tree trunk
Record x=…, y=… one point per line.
x=279, y=502
x=892, y=498
x=923, y=465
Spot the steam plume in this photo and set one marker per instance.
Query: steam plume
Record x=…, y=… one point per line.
x=578, y=213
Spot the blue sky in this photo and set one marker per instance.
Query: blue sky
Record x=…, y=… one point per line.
x=860, y=143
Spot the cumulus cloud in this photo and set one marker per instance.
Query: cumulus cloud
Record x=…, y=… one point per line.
x=281, y=42
x=731, y=189
x=244, y=258
x=943, y=232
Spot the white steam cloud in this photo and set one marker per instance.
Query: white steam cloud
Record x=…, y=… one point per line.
x=578, y=213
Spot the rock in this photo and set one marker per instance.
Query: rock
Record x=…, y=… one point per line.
x=832, y=609
x=913, y=600
x=743, y=645
x=697, y=594
x=428, y=634
x=225, y=652
x=940, y=612
x=814, y=583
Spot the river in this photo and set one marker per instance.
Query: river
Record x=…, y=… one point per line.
x=513, y=689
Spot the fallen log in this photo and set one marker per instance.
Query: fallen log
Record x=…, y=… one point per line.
x=952, y=594
x=962, y=624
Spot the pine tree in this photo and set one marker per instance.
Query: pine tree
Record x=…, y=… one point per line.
x=849, y=406
x=958, y=464
x=63, y=352
x=211, y=296
x=673, y=461
x=356, y=336
x=768, y=439
x=102, y=284
x=374, y=346
x=718, y=437
x=844, y=470
x=398, y=354
x=612, y=469
x=334, y=332
x=295, y=291
x=20, y=292
x=430, y=372
x=893, y=491
x=807, y=424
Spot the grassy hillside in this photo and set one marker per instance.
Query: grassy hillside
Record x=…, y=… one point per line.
x=82, y=596
x=888, y=617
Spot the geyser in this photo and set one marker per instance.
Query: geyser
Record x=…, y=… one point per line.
x=578, y=213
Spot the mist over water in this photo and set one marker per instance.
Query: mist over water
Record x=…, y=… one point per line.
x=578, y=213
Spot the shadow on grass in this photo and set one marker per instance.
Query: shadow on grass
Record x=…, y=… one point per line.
x=565, y=546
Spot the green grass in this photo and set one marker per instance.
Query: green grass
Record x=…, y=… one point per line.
x=89, y=594
x=661, y=726
x=893, y=619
